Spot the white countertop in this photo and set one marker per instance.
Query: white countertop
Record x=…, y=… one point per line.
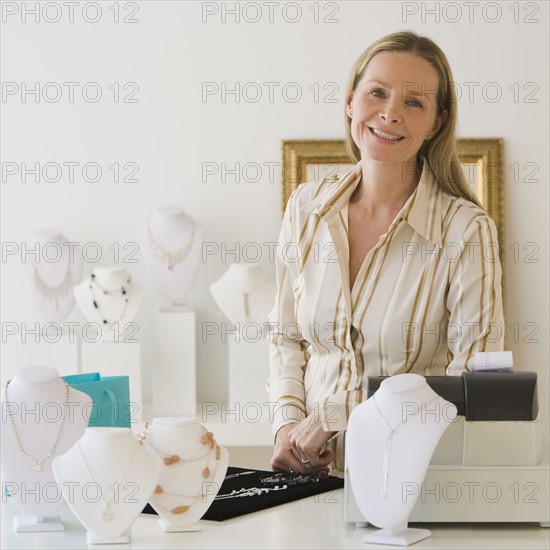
x=314, y=522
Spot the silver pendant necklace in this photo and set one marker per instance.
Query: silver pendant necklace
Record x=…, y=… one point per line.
x=37, y=464
x=54, y=292
x=122, y=292
x=106, y=512
x=391, y=431
x=171, y=260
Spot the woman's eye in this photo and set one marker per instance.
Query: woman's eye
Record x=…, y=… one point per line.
x=414, y=102
x=378, y=92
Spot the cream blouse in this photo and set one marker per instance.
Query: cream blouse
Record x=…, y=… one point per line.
x=426, y=298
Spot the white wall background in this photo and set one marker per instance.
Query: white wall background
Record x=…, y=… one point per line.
x=170, y=52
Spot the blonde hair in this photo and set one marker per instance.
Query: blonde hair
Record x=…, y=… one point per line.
x=441, y=152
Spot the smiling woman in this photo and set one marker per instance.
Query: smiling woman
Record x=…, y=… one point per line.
x=372, y=305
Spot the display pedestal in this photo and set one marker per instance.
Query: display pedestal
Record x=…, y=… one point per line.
x=53, y=349
x=248, y=372
x=174, y=362
x=169, y=528
x=397, y=536
x=117, y=359
x=92, y=538
x=37, y=524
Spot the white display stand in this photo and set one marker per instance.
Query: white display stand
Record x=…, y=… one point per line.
x=41, y=419
x=51, y=279
x=57, y=351
x=390, y=440
x=248, y=372
x=174, y=362
x=117, y=359
x=187, y=487
x=171, y=244
x=122, y=475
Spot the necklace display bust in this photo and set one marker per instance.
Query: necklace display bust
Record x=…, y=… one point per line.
x=171, y=243
x=51, y=279
x=109, y=297
x=122, y=474
x=193, y=469
x=41, y=418
x=244, y=293
x=389, y=443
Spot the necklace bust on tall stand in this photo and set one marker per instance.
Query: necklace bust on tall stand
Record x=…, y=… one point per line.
x=52, y=274
x=109, y=297
x=171, y=244
x=244, y=293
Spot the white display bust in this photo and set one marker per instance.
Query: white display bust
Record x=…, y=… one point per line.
x=187, y=485
x=382, y=464
x=244, y=293
x=51, y=279
x=107, y=478
x=171, y=243
x=109, y=297
x=36, y=399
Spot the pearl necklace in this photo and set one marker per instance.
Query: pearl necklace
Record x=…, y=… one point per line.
x=54, y=292
x=391, y=431
x=106, y=512
x=37, y=464
x=171, y=260
x=122, y=291
x=208, y=440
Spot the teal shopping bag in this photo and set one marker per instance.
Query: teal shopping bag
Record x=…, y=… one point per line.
x=111, y=405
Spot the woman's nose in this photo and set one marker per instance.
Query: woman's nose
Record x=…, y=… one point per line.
x=391, y=112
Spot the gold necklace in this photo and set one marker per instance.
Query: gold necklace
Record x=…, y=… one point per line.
x=37, y=464
x=169, y=459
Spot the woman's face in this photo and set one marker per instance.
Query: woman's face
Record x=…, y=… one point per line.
x=394, y=107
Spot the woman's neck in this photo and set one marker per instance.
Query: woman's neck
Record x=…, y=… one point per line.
x=385, y=187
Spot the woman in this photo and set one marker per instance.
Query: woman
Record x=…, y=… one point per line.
x=397, y=267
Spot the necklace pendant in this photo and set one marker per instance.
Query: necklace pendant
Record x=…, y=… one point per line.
x=106, y=513
x=37, y=466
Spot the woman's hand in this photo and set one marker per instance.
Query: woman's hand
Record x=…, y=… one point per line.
x=307, y=440
x=297, y=447
x=283, y=458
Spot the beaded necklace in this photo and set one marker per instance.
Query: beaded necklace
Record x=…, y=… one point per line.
x=37, y=464
x=169, y=459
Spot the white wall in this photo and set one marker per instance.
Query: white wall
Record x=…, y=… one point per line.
x=170, y=52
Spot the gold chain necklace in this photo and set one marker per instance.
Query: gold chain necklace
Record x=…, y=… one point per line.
x=37, y=464
x=207, y=439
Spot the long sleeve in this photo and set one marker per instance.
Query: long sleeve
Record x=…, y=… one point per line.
x=474, y=300
x=287, y=355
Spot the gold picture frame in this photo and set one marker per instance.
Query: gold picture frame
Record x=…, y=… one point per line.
x=481, y=159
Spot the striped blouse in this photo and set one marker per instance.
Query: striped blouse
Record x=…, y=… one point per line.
x=426, y=298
